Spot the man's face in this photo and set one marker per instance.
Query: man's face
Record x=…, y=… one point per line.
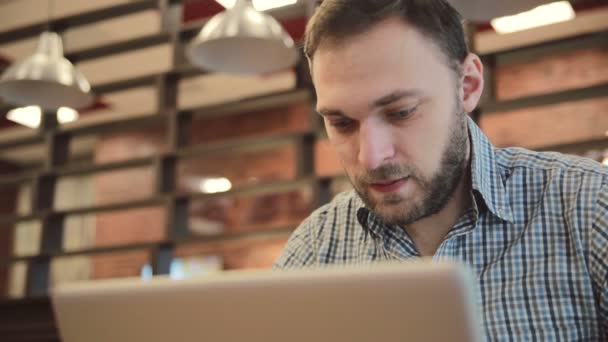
x=393, y=113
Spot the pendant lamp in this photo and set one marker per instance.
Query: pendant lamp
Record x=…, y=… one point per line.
x=242, y=40
x=46, y=79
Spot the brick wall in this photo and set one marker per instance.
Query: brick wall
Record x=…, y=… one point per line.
x=222, y=215
x=293, y=118
x=550, y=125
x=258, y=253
x=546, y=126
x=128, y=226
x=553, y=73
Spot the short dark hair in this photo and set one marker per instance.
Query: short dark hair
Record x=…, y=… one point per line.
x=334, y=21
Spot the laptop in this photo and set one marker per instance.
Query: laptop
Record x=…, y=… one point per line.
x=412, y=301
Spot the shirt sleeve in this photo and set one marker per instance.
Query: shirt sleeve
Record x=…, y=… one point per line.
x=599, y=254
x=300, y=250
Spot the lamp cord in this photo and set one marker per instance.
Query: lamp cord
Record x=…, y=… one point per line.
x=49, y=15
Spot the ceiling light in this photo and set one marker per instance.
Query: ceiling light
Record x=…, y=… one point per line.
x=540, y=16
x=46, y=79
x=65, y=115
x=215, y=185
x=242, y=40
x=260, y=5
x=27, y=116
x=30, y=116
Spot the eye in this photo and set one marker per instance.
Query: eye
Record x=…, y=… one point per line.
x=341, y=124
x=403, y=114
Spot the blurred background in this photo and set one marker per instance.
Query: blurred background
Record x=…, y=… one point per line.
x=178, y=166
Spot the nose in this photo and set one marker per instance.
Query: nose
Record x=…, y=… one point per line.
x=375, y=144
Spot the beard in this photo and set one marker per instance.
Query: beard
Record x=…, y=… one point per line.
x=437, y=189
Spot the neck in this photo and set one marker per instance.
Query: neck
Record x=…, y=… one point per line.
x=428, y=233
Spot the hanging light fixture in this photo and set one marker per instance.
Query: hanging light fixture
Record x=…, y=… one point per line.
x=242, y=40
x=46, y=78
x=31, y=116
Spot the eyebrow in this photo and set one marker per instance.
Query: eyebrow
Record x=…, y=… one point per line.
x=381, y=102
x=394, y=97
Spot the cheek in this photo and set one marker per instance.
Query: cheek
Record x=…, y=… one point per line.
x=346, y=151
x=422, y=146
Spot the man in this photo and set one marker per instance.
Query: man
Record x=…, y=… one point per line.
x=394, y=82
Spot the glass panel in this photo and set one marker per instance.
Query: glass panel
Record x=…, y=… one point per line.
x=118, y=265
x=219, y=88
x=26, y=239
x=138, y=225
x=126, y=65
x=104, y=188
x=546, y=126
x=293, y=118
x=87, y=36
x=13, y=11
x=553, y=73
x=188, y=267
x=238, y=169
x=99, y=266
x=24, y=199
x=79, y=232
x=30, y=157
x=16, y=280
x=250, y=213
x=70, y=269
x=239, y=254
x=129, y=144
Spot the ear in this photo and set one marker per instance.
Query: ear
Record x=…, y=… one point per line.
x=472, y=82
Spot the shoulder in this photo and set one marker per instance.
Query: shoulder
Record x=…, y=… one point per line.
x=304, y=245
x=332, y=215
x=514, y=158
x=551, y=173
x=550, y=183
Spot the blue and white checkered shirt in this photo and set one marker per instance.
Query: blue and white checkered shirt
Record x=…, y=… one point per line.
x=536, y=236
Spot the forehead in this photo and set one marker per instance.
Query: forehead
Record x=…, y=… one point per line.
x=390, y=40
x=391, y=55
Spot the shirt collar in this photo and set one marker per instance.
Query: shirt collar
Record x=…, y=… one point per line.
x=371, y=223
x=485, y=176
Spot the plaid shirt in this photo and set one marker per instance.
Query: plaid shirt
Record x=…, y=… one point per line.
x=536, y=236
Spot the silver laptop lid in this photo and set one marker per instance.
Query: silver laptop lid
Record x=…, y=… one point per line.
x=418, y=301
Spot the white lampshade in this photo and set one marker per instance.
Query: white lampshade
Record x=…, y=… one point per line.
x=46, y=79
x=242, y=40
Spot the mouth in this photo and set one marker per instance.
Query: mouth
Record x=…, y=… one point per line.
x=389, y=185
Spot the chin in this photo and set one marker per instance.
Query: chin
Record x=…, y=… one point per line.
x=393, y=213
